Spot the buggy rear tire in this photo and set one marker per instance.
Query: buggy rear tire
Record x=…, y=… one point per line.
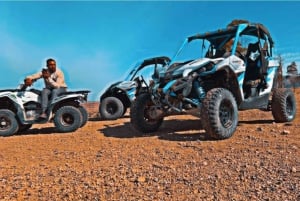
x=84, y=114
x=283, y=105
x=111, y=108
x=67, y=119
x=139, y=117
x=8, y=123
x=219, y=114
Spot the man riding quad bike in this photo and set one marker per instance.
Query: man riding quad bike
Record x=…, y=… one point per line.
x=21, y=108
x=235, y=70
x=118, y=97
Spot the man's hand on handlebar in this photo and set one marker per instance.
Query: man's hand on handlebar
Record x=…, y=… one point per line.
x=28, y=82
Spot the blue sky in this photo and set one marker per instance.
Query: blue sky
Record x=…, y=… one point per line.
x=95, y=43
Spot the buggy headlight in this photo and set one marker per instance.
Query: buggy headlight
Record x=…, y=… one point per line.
x=186, y=72
x=206, y=68
x=209, y=66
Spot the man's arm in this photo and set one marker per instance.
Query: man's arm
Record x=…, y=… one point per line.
x=35, y=76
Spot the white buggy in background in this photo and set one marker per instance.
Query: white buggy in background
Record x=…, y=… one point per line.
x=118, y=97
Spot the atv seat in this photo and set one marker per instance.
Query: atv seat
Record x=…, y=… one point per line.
x=36, y=91
x=75, y=92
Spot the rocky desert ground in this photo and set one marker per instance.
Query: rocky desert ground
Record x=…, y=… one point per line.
x=108, y=160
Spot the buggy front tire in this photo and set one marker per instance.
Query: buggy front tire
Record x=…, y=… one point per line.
x=283, y=105
x=219, y=114
x=140, y=115
x=67, y=119
x=111, y=108
x=8, y=123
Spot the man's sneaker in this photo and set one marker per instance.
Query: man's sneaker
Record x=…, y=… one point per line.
x=43, y=115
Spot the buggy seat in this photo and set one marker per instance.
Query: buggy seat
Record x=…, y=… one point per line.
x=256, y=65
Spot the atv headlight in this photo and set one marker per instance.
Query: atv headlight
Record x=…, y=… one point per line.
x=82, y=99
x=85, y=97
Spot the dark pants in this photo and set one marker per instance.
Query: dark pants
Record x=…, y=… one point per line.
x=54, y=93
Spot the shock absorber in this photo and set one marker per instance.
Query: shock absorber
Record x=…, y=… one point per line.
x=199, y=89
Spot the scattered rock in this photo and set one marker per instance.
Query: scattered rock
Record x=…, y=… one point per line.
x=141, y=179
x=104, y=160
x=285, y=132
x=259, y=129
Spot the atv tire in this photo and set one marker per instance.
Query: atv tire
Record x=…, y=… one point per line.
x=84, y=114
x=283, y=105
x=67, y=119
x=219, y=114
x=8, y=123
x=139, y=115
x=111, y=108
x=124, y=111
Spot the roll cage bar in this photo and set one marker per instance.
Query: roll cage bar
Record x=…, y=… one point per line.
x=220, y=37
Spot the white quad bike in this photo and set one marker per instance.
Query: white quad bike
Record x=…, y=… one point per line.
x=20, y=109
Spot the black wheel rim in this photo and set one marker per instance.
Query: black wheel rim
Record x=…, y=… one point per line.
x=226, y=113
x=5, y=123
x=67, y=119
x=111, y=108
x=148, y=109
x=289, y=107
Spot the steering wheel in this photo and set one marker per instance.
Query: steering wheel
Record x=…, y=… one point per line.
x=237, y=53
x=240, y=55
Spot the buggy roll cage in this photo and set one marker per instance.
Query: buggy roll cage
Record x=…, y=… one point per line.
x=220, y=37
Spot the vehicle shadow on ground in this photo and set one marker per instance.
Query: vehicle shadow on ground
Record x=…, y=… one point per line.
x=101, y=119
x=95, y=119
x=36, y=131
x=171, y=130
x=260, y=121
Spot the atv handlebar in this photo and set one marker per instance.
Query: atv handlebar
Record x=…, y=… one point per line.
x=22, y=87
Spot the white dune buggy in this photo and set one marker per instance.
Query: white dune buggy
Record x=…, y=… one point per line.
x=227, y=70
x=118, y=97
